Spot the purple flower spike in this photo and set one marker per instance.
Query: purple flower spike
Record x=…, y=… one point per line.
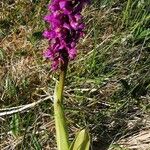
x=66, y=27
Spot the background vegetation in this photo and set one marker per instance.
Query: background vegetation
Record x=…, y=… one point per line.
x=107, y=87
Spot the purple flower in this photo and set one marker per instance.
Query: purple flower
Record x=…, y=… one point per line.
x=66, y=27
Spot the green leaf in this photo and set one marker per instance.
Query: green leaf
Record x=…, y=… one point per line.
x=82, y=141
x=143, y=34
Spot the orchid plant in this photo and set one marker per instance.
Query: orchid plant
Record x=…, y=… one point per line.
x=65, y=29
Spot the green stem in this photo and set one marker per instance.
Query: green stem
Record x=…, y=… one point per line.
x=61, y=86
x=60, y=121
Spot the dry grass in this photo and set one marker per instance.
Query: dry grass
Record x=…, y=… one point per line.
x=107, y=86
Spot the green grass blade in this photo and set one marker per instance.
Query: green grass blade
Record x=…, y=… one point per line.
x=36, y=144
x=15, y=125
